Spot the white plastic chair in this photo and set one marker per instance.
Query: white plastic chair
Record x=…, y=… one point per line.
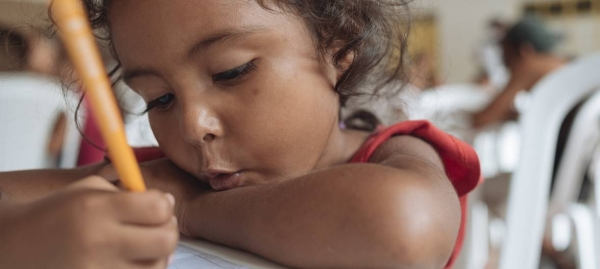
x=594, y=173
x=585, y=239
x=29, y=106
x=577, y=155
x=498, y=149
x=475, y=253
x=551, y=101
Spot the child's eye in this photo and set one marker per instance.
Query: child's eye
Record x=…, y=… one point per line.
x=161, y=103
x=235, y=74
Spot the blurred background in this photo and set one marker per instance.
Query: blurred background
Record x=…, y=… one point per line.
x=517, y=79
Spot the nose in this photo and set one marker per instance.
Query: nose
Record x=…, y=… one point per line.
x=199, y=124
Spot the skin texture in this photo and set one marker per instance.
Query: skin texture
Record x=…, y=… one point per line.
x=258, y=123
x=295, y=200
x=88, y=224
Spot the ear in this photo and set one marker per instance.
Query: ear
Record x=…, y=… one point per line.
x=345, y=64
x=335, y=72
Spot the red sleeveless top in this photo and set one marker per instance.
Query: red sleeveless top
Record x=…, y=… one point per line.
x=460, y=161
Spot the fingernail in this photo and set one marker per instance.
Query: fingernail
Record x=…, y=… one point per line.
x=170, y=198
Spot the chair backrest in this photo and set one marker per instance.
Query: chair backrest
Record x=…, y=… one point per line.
x=594, y=172
x=29, y=108
x=596, y=184
x=577, y=154
x=551, y=100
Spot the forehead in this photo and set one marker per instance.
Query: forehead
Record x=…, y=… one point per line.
x=163, y=27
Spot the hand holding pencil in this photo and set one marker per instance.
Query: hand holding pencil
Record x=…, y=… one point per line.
x=89, y=223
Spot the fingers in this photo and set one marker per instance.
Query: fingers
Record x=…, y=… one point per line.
x=149, y=208
x=92, y=182
x=149, y=243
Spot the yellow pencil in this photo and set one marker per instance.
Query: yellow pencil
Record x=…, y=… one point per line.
x=77, y=35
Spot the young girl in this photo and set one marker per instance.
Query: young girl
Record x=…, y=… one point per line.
x=243, y=98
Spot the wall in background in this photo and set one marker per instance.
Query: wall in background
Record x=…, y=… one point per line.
x=578, y=21
x=462, y=30
x=24, y=12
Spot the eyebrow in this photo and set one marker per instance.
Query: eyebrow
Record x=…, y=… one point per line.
x=225, y=35
x=136, y=73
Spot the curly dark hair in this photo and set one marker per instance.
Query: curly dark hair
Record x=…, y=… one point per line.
x=373, y=32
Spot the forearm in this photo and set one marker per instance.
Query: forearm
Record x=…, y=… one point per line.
x=29, y=185
x=6, y=215
x=501, y=107
x=353, y=216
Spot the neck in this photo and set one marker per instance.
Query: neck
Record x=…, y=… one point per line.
x=342, y=147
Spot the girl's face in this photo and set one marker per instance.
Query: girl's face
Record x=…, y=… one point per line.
x=237, y=95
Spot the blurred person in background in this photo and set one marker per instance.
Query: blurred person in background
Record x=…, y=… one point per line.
x=14, y=50
x=28, y=51
x=528, y=53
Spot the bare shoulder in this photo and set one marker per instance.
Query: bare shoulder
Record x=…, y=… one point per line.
x=427, y=196
x=409, y=152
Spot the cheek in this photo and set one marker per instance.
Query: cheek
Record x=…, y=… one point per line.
x=289, y=120
x=167, y=132
x=160, y=126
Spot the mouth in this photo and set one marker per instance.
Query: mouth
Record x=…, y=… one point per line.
x=221, y=181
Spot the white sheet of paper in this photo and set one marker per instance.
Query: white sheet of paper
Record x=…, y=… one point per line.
x=188, y=258
x=193, y=253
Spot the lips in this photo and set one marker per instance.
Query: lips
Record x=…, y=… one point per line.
x=224, y=181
